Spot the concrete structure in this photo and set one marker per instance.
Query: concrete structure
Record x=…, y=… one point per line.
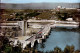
x=42, y=34
x=40, y=21
x=24, y=24
x=10, y=24
x=36, y=37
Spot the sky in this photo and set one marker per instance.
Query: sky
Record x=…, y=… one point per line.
x=39, y=1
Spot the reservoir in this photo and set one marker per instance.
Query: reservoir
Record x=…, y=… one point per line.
x=60, y=37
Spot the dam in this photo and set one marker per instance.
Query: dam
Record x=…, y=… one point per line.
x=42, y=33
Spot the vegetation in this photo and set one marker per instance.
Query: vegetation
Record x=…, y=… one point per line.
x=32, y=14
x=26, y=14
x=61, y=14
x=6, y=47
x=45, y=15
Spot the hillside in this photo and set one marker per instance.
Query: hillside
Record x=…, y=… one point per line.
x=38, y=5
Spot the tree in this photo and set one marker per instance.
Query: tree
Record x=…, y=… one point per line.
x=67, y=49
x=57, y=50
x=17, y=14
x=21, y=17
x=71, y=49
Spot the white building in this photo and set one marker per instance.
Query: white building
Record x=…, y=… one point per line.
x=69, y=19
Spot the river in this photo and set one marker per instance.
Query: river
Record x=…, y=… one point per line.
x=61, y=37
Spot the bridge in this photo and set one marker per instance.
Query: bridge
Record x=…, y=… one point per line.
x=40, y=35
x=56, y=23
x=35, y=37
x=40, y=20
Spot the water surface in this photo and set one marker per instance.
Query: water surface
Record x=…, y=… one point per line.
x=61, y=37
